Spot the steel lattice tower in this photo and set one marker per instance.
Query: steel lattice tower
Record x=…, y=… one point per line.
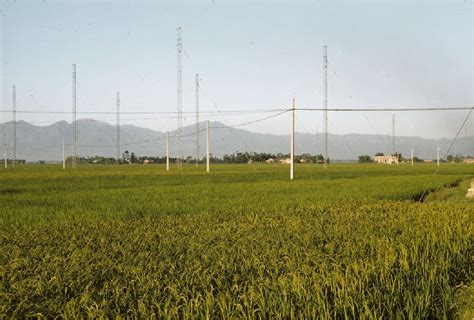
x=14, y=124
x=74, y=124
x=197, y=119
x=325, y=102
x=180, y=101
x=118, y=126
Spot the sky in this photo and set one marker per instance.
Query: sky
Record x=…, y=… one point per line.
x=250, y=55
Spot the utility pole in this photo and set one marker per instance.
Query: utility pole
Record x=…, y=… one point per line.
x=74, y=125
x=180, y=100
x=412, y=156
x=197, y=119
x=325, y=103
x=5, y=155
x=118, y=126
x=64, y=155
x=167, y=151
x=437, y=155
x=14, y=125
x=292, y=144
x=208, y=147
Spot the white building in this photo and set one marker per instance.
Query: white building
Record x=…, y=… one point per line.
x=285, y=161
x=386, y=159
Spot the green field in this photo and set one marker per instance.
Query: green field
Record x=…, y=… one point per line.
x=349, y=241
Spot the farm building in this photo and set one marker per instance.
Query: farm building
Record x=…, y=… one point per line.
x=270, y=160
x=285, y=161
x=386, y=159
x=468, y=160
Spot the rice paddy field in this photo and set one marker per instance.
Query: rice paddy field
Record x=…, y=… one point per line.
x=350, y=241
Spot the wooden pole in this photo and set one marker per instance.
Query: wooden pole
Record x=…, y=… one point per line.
x=437, y=155
x=207, y=146
x=167, y=151
x=292, y=151
x=64, y=155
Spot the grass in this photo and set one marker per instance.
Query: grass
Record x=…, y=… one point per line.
x=349, y=241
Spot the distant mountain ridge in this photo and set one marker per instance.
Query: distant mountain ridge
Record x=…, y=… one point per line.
x=99, y=138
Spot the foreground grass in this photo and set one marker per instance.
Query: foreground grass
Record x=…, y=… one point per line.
x=242, y=242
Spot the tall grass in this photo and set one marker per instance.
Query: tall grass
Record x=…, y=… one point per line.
x=343, y=243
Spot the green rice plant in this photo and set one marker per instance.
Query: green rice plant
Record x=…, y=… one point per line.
x=347, y=242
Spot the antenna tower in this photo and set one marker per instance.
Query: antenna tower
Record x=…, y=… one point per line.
x=180, y=100
x=118, y=126
x=74, y=125
x=197, y=119
x=14, y=124
x=325, y=102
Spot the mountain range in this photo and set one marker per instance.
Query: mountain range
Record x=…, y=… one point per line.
x=99, y=138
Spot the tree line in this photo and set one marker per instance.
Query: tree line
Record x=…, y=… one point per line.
x=236, y=157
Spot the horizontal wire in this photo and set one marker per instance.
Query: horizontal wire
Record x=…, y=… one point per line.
x=386, y=109
x=144, y=112
x=171, y=136
x=236, y=112
x=188, y=135
x=135, y=119
x=43, y=147
x=259, y=120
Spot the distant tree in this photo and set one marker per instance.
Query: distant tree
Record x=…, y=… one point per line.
x=457, y=158
x=126, y=157
x=378, y=154
x=365, y=159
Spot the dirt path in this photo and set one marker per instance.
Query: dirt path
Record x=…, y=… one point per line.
x=470, y=192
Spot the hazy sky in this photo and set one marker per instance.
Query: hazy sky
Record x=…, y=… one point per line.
x=249, y=54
